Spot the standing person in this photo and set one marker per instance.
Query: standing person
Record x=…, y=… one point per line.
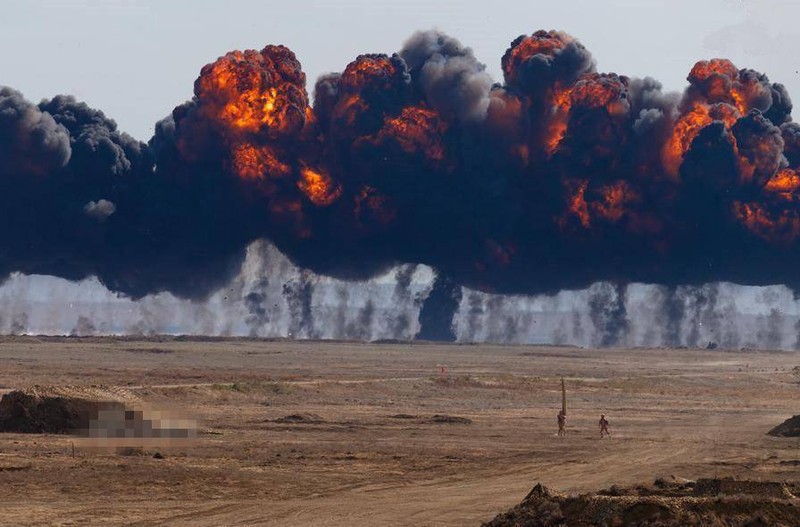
x=604, y=426
x=562, y=414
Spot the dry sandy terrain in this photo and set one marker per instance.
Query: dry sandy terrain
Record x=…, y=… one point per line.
x=379, y=457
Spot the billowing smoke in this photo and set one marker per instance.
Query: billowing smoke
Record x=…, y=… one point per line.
x=19, y=324
x=722, y=314
x=298, y=298
x=608, y=314
x=100, y=209
x=436, y=315
x=558, y=178
x=84, y=327
x=32, y=140
x=448, y=75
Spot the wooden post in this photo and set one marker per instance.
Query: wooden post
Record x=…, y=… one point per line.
x=563, y=397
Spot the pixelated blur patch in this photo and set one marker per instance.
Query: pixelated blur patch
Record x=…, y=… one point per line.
x=99, y=416
x=138, y=425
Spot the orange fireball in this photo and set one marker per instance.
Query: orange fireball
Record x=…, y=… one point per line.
x=545, y=43
x=784, y=185
x=592, y=91
x=319, y=187
x=370, y=86
x=780, y=227
x=775, y=217
x=254, y=92
x=254, y=163
x=417, y=130
x=609, y=202
x=688, y=127
x=718, y=80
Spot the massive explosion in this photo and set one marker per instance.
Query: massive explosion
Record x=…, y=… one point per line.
x=557, y=178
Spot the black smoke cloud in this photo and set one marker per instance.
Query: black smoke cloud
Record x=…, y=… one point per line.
x=448, y=75
x=32, y=140
x=436, y=315
x=557, y=178
x=63, y=165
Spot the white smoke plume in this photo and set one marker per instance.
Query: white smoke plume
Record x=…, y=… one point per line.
x=100, y=209
x=272, y=298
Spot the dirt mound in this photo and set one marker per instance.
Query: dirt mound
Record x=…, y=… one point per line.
x=402, y=416
x=437, y=418
x=308, y=418
x=732, y=487
x=666, y=504
x=155, y=351
x=451, y=419
x=789, y=428
x=57, y=409
x=103, y=416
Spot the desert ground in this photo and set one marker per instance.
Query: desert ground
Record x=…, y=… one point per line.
x=380, y=441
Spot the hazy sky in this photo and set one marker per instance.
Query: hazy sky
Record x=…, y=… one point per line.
x=137, y=59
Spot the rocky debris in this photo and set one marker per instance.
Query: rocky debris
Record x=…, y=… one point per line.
x=666, y=504
x=538, y=492
x=673, y=481
x=789, y=428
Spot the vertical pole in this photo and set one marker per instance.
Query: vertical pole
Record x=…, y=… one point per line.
x=563, y=397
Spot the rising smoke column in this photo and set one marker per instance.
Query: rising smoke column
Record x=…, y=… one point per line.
x=559, y=177
x=436, y=314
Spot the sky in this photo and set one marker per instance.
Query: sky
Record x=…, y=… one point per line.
x=137, y=59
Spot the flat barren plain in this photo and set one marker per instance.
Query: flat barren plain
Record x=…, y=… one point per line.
x=341, y=433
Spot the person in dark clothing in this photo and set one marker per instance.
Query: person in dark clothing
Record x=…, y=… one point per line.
x=604, y=426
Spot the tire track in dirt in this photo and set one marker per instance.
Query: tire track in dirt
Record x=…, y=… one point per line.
x=449, y=501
